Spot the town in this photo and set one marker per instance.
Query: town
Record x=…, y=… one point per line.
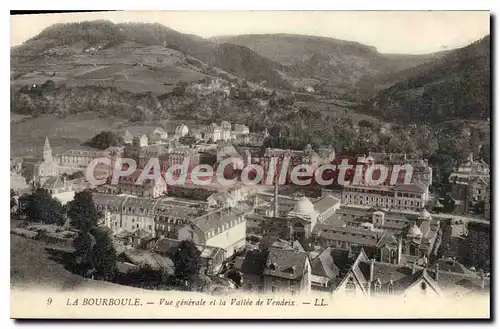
x=395, y=238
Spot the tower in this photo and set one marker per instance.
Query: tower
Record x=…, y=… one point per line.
x=47, y=150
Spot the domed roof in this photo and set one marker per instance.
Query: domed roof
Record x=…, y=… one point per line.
x=414, y=231
x=304, y=206
x=425, y=214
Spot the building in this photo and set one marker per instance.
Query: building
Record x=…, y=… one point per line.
x=420, y=239
x=48, y=167
x=390, y=239
x=72, y=161
x=223, y=228
x=289, y=217
x=400, y=197
x=368, y=277
x=226, y=130
x=422, y=172
x=470, y=184
x=292, y=158
x=211, y=258
x=59, y=188
x=127, y=137
x=327, y=235
x=178, y=156
x=240, y=130
x=213, y=133
x=80, y=158
x=148, y=188
x=158, y=136
x=181, y=131
x=159, y=217
x=275, y=270
x=328, y=267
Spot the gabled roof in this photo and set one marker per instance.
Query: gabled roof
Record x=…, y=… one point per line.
x=253, y=262
x=288, y=264
x=324, y=265
x=327, y=202
x=416, y=187
x=411, y=280
x=356, y=271
x=53, y=183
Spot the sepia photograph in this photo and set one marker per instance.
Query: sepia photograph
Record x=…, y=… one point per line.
x=250, y=165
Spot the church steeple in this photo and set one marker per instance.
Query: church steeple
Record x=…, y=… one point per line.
x=47, y=150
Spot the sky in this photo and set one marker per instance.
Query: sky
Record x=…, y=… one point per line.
x=405, y=32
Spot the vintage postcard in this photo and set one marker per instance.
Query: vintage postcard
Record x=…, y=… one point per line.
x=316, y=165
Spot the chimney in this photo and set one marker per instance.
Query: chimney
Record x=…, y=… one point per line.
x=372, y=266
x=400, y=249
x=275, y=212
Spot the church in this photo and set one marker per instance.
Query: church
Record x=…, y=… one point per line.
x=48, y=167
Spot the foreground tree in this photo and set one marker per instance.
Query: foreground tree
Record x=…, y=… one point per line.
x=95, y=255
x=104, y=255
x=82, y=211
x=186, y=261
x=41, y=207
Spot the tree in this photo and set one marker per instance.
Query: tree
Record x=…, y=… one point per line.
x=478, y=207
x=13, y=201
x=186, y=261
x=104, y=255
x=104, y=139
x=82, y=256
x=95, y=254
x=235, y=276
x=366, y=124
x=82, y=211
x=41, y=207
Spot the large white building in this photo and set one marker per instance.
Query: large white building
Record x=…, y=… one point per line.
x=402, y=197
x=223, y=228
x=174, y=218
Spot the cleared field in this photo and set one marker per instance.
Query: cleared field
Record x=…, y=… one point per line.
x=28, y=136
x=129, y=67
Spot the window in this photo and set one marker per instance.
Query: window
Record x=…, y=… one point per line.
x=350, y=287
x=423, y=288
x=390, y=288
x=377, y=287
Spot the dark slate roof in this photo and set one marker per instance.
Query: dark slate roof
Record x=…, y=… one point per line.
x=384, y=272
x=409, y=280
x=414, y=188
x=253, y=262
x=288, y=264
x=53, y=183
x=324, y=265
x=221, y=218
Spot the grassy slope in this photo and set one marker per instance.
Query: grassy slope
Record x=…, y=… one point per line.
x=31, y=266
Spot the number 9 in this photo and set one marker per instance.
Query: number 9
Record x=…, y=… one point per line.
x=49, y=301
